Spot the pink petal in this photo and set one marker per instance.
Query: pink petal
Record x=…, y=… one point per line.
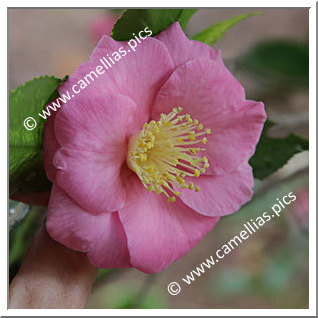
x=101, y=236
x=124, y=76
x=220, y=195
x=159, y=232
x=209, y=92
x=94, y=180
x=93, y=135
x=98, y=123
x=50, y=146
x=182, y=49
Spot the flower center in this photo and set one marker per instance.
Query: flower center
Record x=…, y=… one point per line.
x=164, y=152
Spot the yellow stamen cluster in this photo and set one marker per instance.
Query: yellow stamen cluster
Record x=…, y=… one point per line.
x=166, y=151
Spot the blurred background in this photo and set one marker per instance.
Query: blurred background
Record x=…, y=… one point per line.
x=269, y=56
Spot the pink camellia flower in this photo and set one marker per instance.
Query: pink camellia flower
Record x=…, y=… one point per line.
x=146, y=159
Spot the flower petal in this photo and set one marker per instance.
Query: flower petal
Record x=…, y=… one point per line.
x=94, y=180
x=98, y=123
x=101, y=236
x=159, y=232
x=93, y=136
x=221, y=195
x=182, y=49
x=209, y=92
x=124, y=76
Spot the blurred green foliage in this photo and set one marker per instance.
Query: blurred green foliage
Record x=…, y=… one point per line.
x=123, y=295
x=216, y=31
x=271, y=267
x=278, y=62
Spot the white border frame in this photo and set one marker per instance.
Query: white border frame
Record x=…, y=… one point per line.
x=312, y=160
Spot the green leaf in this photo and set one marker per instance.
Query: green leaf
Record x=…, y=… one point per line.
x=272, y=153
x=26, y=171
x=279, y=61
x=215, y=32
x=157, y=20
x=185, y=17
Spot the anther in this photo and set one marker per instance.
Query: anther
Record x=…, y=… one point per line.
x=163, y=154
